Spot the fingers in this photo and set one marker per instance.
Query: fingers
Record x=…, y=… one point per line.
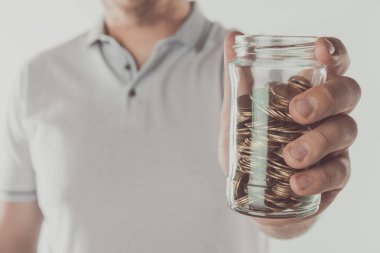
x=332, y=52
x=327, y=198
x=338, y=95
x=328, y=176
x=336, y=133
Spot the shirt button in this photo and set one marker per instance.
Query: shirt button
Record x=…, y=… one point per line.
x=131, y=93
x=128, y=67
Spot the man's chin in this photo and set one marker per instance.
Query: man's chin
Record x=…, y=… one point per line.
x=137, y=6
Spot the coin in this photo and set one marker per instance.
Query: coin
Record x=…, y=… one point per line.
x=256, y=134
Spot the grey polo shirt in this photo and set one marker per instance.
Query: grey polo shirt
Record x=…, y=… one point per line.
x=120, y=159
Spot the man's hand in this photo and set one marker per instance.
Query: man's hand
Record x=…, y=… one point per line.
x=328, y=142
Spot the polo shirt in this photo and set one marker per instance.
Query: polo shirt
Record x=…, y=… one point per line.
x=122, y=159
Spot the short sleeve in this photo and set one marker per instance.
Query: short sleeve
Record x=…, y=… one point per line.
x=17, y=179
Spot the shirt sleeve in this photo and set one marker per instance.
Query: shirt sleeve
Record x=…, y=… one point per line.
x=17, y=179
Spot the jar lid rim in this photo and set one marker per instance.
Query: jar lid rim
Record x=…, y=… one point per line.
x=276, y=46
x=261, y=38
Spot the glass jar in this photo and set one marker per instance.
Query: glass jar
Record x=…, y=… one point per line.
x=266, y=74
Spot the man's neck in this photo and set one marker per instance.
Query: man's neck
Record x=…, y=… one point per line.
x=140, y=33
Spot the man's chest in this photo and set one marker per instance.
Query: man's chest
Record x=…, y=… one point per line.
x=100, y=142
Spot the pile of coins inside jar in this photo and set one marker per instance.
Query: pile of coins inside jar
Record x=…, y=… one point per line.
x=260, y=145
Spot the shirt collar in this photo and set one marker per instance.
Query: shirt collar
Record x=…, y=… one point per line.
x=96, y=32
x=189, y=33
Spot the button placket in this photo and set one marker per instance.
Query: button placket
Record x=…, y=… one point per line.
x=131, y=93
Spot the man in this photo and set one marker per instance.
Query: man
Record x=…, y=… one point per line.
x=111, y=139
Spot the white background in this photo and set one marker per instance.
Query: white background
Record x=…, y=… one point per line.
x=352, y=223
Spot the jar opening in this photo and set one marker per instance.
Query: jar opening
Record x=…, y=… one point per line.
x=275, y=47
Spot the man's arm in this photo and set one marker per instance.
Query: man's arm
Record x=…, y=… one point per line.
x=20, y=225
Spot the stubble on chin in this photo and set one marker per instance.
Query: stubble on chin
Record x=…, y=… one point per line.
x=144, y=11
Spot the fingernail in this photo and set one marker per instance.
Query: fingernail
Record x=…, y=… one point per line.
x=330, y=46
x=303, y=182
x=304, y=107
x=298, y=151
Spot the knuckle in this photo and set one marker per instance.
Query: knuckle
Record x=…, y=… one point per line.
x=338, y=44
x=350, y=128
x=354, y=86
x=326, y=179
x=347, y=62
x=342, y=171
x=340, y=48
x=321, y=137
x=335, y=41
x=334, y=174
x=331, y=94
